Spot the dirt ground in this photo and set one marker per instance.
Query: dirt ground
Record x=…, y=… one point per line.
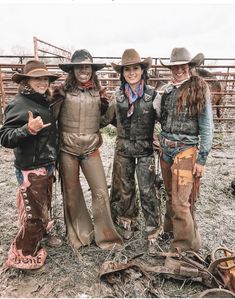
x=76, y=274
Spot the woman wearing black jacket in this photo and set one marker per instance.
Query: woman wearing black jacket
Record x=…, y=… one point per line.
x=30, y=129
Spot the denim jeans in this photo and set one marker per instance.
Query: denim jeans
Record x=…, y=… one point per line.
x=169, y=153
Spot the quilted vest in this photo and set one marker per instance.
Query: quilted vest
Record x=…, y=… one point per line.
x=79, y=122
x=80, y=113
x=173, y=123
x=140, y=125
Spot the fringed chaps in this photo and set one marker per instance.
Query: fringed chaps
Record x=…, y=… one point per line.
x=34, y=204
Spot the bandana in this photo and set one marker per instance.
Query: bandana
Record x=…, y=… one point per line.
x=87, y=85
x=133, y=95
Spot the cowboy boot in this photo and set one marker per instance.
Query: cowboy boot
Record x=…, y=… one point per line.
x=127, y=231
x=153, y=234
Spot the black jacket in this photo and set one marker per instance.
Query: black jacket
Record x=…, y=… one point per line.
x=31, y=151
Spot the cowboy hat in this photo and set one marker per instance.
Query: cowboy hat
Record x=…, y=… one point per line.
x=130, y=57
x=81, y=57
x=183, y=56
x=34, y=69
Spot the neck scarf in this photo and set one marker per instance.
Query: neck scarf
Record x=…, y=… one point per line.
x=87, y=85
x=133, y=95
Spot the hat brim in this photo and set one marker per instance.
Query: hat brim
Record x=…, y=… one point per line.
x=146, y=63
x=67, y=67
x=17, y=77
x=194, y=62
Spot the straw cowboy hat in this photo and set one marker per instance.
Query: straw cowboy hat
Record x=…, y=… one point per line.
x=34, y=69
x=129, y=57
x=81, y=57
x=183, y=56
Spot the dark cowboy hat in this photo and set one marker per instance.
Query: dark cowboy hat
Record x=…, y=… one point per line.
x=34, y=69
x=81, y=57
x=182, y=56
x=129, y=57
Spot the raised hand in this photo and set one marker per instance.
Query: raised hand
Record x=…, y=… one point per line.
x=36, y=124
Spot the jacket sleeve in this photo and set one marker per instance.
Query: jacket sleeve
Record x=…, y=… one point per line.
x=15, y=128
x=110, y=116
x=157, y=105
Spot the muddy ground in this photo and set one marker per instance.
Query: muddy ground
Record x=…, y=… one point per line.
x=76, y=274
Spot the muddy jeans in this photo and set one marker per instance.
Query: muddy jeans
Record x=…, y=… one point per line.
x=123, y=193
x=177, y=165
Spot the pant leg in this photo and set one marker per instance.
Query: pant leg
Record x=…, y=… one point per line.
x=150, y=203
x=186, y=235
x=106, y=236
x=77, y=218
x=167, y=179
x=123, y=192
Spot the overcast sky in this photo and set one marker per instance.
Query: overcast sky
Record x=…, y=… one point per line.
x=107, y=28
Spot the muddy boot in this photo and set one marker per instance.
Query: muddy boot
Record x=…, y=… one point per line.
x=167, y=236
x=54, y=241
x=127, y=231
x=153, y=235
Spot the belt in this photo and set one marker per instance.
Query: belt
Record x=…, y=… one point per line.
x=170, y=143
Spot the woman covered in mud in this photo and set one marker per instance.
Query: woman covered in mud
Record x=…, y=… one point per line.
x=132, y=109
x=30, y=129
x=185, y=114
x=80, y=140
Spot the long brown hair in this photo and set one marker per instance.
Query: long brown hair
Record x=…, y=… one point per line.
x=71, y=82
x=193, y=95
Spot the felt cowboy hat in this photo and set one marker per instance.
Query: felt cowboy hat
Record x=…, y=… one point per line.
x=183, y=56
x=34, y=69
x=130, y=57
x=81, y=57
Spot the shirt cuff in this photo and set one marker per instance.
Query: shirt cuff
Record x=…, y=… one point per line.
x=202, y=157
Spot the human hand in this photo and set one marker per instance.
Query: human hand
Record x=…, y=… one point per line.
x=103, y=92
x=35, y=124
x=198, y=170
x=58, y=91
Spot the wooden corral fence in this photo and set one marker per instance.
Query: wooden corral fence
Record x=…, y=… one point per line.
x=219, y=73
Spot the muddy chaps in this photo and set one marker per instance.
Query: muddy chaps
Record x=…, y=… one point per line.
x=34, y=205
